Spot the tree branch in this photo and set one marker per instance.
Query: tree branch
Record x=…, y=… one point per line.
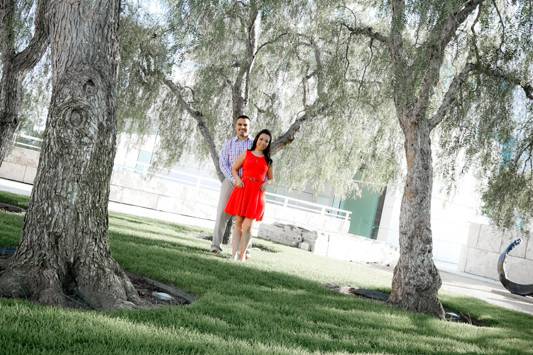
x=508, y=77
x=272, y=41
x=433, y=49
x=451, y=96
x=368, y=32
x=28, y=58
x=199, y=117
x=312, y=111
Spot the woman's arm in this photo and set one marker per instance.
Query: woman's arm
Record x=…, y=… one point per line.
x=270, y=178
x=235, y=170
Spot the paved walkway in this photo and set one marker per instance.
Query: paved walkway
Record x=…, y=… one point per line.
x=461, y=284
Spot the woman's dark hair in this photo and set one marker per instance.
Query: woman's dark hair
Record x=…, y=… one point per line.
x=266, y=152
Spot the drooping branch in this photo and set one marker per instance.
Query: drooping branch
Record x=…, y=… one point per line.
x=451, y=95
x=450, y=26
x=434, y=49
x=502, y=41
x=272, y=41
x=29, y=56
x=311, y=111
x=497, y=73
x=399, y=60
x=199, y=117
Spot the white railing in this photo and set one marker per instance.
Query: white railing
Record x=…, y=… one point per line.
x=20, y=140
x=200, y=182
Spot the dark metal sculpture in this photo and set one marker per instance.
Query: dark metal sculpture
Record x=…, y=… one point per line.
x=513, y=287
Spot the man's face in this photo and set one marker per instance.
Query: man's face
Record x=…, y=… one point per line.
x=242, y=128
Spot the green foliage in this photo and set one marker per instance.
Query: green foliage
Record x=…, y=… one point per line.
x=489, y=127
x=347, y=100
x=142, y=51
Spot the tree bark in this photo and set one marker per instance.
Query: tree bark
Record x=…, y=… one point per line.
x=15, y=67
x=416, y=280
x=8, y=86
x=64, y=250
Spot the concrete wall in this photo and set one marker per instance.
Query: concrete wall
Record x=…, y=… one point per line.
x=484, y=246
x=20, y=165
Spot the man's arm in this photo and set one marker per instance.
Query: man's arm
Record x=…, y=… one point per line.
x=224, y=163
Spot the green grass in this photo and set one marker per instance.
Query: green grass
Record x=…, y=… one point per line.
x=15, y=200
x=274, y=304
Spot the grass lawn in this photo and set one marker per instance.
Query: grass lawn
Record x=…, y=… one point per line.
x=274, y=304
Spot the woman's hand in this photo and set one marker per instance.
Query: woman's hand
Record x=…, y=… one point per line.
x=238, y=182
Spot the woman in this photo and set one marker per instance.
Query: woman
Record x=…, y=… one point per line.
x=247, y=201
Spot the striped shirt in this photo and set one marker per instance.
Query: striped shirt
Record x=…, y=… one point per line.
x=231, y=150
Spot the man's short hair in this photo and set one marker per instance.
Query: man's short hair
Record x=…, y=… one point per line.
x=243, y=116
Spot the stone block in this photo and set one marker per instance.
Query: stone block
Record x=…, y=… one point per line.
x=305, y=246
x=12, y=171
x=461, y=265
x=482, y=263
x=489, y=239
x=281, y=233
x=23, y=156
x=29, y=175
x=473, y=234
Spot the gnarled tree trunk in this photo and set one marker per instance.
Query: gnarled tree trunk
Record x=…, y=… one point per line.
x=416, y=280
x=64, y=250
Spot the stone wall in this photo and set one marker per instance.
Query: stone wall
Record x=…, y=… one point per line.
x=342, y=246
x=484, y=246
x=20, y=165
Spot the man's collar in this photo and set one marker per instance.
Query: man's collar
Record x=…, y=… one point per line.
x=235, y=139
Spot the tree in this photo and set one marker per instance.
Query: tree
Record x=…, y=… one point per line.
x=230, y=53
x=16, y=65
x=419, y=46
x=223, y=58
x=64, y=250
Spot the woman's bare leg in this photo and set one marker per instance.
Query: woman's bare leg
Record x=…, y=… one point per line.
x=236, y=238
x=245, y=237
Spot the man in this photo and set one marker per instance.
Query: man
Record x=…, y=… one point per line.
x=231, y=150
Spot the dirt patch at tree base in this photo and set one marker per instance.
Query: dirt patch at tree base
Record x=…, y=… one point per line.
x=153, y=294
x=451, y=315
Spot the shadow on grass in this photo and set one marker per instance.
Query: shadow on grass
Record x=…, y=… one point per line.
x=240, y=302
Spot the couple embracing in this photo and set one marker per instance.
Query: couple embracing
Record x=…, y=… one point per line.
x=247, y=169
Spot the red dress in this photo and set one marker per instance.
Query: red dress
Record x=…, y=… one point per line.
x=249, y=201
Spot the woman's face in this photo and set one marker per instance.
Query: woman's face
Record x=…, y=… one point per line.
x=262, y=142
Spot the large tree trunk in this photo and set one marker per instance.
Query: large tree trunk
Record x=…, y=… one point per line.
x=416, y=280
x=64, y=250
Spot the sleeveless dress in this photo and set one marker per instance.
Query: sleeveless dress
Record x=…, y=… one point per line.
x=249, y=201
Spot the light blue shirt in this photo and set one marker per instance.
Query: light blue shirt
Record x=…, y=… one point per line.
x=231, y=150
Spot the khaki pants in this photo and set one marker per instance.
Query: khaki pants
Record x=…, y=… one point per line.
x=222, y=217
